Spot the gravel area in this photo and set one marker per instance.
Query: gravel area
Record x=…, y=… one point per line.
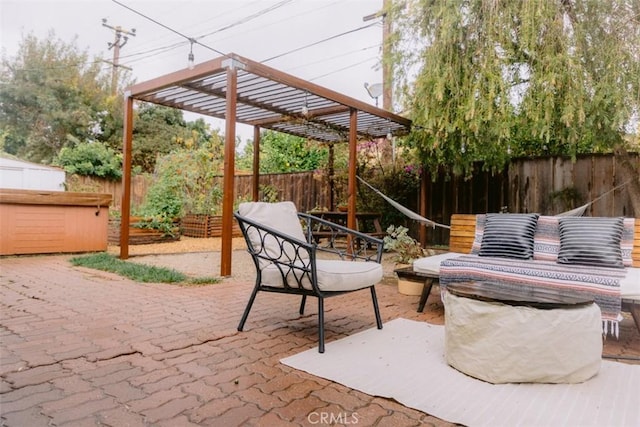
x=201, y=257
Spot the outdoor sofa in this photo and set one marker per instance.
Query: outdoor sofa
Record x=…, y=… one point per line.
x=598, y=257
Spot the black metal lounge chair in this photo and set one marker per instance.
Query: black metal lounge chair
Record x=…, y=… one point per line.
x=280, y=241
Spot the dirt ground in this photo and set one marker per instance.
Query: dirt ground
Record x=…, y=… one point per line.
x=184, y=245
x=197, y=257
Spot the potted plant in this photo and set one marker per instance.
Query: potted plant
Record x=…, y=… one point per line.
x=407, y=249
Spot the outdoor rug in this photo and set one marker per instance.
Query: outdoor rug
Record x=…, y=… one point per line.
x=405, y=361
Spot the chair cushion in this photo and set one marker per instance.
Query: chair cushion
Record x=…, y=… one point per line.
x=431, y=264
x=509, y=236
x=281, y=216
x=333, y=275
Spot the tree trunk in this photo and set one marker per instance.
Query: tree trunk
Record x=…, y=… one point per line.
x=631, y=173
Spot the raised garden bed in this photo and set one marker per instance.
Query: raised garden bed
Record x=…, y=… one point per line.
x=203, y=226
x=140, y=236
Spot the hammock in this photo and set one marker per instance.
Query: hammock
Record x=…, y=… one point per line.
x=406, y=211
x=579, y=211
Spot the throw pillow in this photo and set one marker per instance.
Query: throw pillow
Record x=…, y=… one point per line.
x=591, y=241
x=509, y=235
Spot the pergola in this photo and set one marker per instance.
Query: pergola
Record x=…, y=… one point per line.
x=238, y=89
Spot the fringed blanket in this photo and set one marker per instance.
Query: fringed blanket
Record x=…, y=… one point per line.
x=599, y=283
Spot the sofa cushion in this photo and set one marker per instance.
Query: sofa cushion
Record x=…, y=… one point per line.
x=593, y=241
x=509, y=236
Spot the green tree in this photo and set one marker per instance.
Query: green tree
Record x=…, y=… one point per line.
x=157, y=130
x=52, y=95
x=280, y=152
x=487, y=80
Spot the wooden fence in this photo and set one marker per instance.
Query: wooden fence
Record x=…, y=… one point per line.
x=548, y=185
x=551, y=185
x=306, y=189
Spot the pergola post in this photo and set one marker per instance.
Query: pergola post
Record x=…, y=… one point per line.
x=229, y=170
x=353, y=145
x=256, y=163
x=125, y=207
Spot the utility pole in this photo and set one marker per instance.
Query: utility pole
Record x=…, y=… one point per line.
x=121, y=37
x=387, y=72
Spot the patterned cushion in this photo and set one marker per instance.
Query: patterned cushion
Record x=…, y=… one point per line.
x=477, y=240
x=546, y=241
x=626, y=243
x=591, y=241
x=509, y=236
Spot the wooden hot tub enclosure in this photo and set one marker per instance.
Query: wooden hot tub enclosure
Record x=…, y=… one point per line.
x=40, y=222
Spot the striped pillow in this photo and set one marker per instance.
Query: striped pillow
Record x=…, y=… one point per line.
x=591, y=241
x=509, y=236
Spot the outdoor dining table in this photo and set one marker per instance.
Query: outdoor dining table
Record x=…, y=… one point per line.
x=366, y=222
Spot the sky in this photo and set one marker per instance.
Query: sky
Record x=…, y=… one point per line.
x=276, y=32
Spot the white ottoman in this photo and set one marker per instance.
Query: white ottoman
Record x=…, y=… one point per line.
x=502, y=343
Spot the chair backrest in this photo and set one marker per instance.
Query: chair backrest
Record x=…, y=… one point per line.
x=282, y=217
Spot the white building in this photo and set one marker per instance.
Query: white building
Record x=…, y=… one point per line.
x=22, y=175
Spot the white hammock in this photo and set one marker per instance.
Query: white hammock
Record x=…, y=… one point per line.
x=406, y=211
x=579, y=211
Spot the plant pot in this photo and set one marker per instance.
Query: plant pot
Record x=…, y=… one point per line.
x=409, y=287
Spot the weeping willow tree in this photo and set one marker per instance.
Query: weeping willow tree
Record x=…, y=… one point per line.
x=487, y=80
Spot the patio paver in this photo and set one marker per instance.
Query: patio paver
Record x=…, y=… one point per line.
x=83, y=347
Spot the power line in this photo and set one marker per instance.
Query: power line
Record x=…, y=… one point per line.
x=343, y=68
x=190, y=39
x=193, y=40
x=318, y=42
x=247, y=18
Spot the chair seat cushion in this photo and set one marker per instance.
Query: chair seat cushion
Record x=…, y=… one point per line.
x=333, y=275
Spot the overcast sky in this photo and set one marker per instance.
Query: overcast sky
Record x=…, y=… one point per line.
x=256, y=29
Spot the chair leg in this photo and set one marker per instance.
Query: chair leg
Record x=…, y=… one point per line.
x=376, y=309
x=302, y=303
x=320, y=325
x=248, y=308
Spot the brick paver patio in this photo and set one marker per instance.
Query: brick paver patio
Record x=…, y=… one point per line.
x=82, y=348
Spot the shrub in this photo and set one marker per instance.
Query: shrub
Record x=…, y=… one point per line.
x=91, y=159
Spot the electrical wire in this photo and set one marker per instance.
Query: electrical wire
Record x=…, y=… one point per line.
x=246, y=18
x=318, y=42
x=343, y=68
x=189, y=39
